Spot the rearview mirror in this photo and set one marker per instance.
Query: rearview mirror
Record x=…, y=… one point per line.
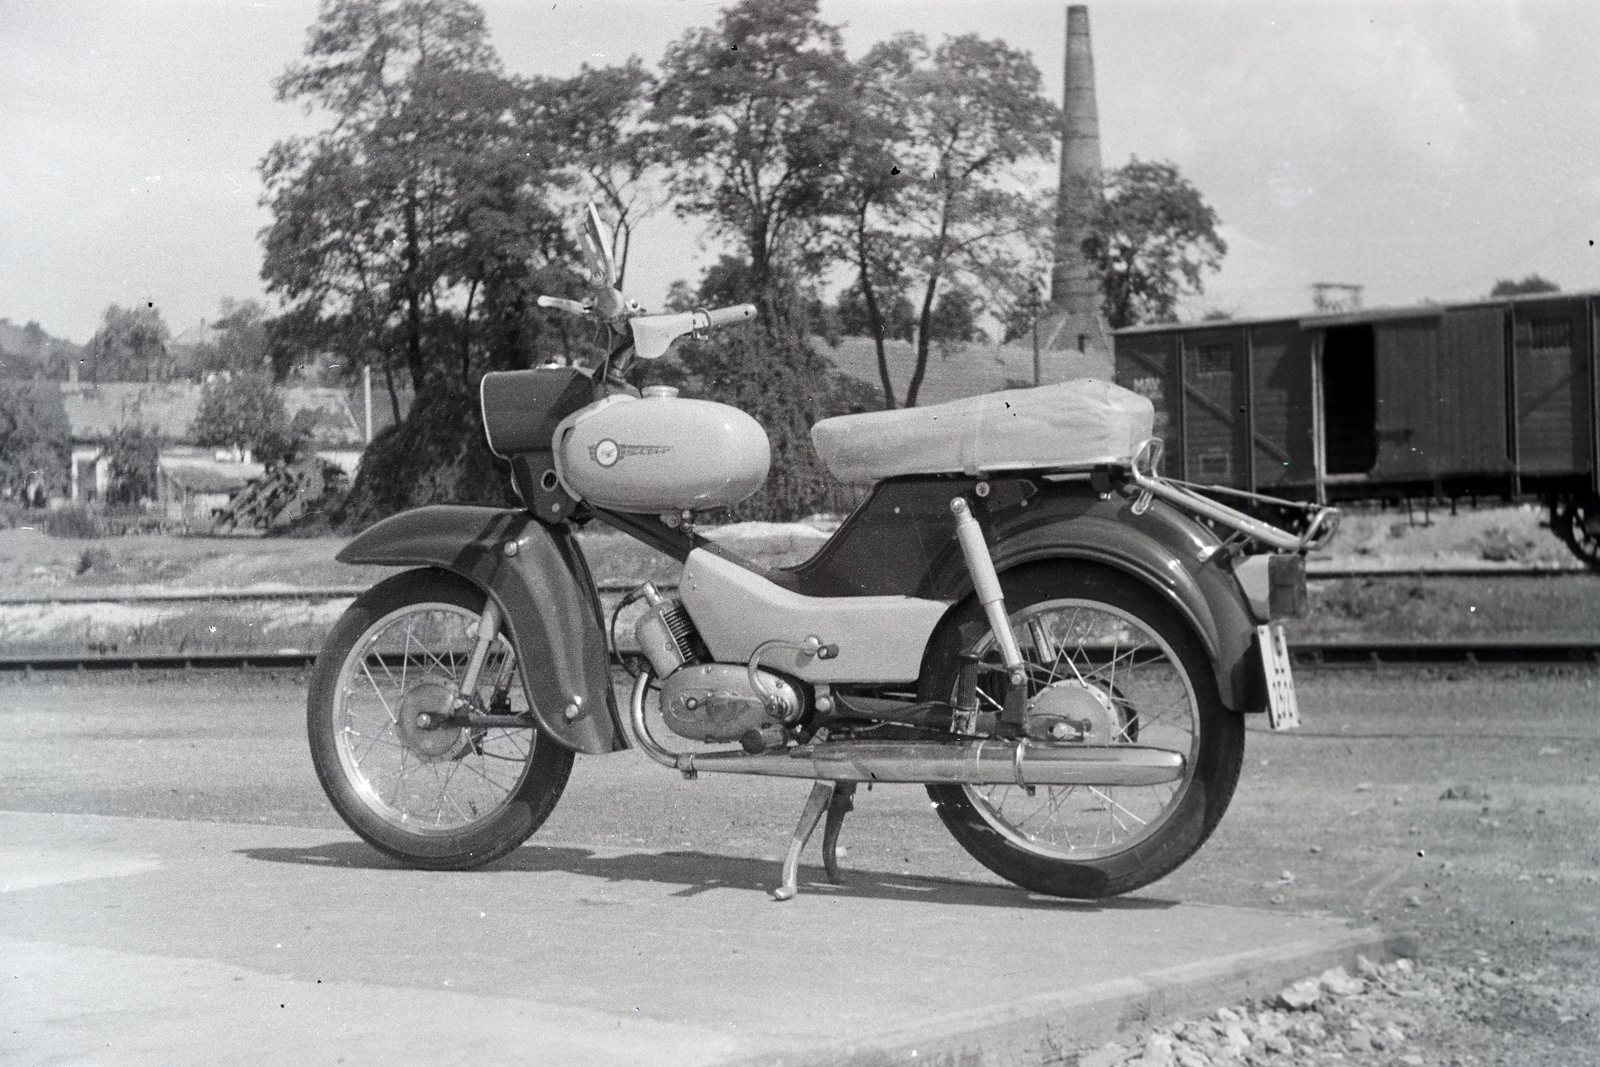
x=598, y=249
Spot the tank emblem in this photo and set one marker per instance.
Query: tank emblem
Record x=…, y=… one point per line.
x=607, y=452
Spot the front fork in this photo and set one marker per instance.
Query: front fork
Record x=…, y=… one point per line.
x=488, y=629
x=465, y=708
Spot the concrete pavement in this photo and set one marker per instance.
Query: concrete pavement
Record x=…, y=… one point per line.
x=151, y=941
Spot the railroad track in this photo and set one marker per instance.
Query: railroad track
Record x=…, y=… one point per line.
x=1309, y=654
x=145, y=595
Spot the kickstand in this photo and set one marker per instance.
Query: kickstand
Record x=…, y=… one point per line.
x=818, y=802
x=838, y=807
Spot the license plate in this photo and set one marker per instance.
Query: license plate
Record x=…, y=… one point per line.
x=1283, y=712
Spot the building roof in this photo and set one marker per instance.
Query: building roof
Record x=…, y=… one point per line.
x=96, y=410
x=1314, y=321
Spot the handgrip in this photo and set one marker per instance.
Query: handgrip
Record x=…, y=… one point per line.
x=571, y=307
x=730, y=316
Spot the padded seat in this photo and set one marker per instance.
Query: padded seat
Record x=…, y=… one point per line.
x=1079, y=423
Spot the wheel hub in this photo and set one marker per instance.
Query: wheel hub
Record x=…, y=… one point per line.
x=421, y=710
x=1070, y=710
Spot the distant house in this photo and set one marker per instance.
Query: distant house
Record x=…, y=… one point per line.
x=192, y=480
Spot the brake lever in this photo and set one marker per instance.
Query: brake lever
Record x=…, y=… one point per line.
x=571, y=307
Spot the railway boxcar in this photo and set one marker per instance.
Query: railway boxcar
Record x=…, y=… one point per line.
x=1493, y=399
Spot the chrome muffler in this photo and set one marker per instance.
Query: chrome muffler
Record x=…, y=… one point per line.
x=957, y=761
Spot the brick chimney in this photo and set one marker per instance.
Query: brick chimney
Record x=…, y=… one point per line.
x=1074, y=322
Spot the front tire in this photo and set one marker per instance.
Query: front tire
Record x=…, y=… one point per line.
x=1085, y=626
x=445, y=798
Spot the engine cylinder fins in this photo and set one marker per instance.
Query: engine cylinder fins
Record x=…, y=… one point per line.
x=665, y=633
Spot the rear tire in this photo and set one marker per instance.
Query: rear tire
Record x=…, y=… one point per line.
x=1084, y=625
x=446, y=798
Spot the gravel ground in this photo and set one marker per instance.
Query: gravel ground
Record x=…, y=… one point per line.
x=1402, y=1012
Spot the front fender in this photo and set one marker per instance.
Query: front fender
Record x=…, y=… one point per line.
x=538, y=576
x=1162, y=547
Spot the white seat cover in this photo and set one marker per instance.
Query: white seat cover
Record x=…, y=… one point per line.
x=1074, y=424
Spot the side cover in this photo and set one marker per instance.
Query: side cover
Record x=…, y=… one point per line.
x=538, y=576
x=901, y=541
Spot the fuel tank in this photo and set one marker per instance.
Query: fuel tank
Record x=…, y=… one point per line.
x=661, y=452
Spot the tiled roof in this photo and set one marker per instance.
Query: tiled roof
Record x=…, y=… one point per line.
x=96, y=410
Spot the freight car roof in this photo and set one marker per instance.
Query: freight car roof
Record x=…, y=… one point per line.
x=1352, y=318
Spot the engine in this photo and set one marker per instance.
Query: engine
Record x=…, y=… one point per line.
x=708, y=701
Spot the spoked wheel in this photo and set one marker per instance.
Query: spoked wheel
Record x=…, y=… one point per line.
x=1104, y=648
x=1577, y=523
x=446, y=796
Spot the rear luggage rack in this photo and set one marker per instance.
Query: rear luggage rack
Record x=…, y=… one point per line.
x=1320, y=526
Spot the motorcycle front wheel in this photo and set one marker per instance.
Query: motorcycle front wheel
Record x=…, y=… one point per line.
x=445, y=798
x=1083, y=627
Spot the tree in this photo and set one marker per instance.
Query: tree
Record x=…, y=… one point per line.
x=753, y=114
x=1533, y=283
x=864, y=195
x=1151, y=240
x=1023, y=312
x=415, y=231
x=954, y=319
x=957, y=208
x=895, y=320
x=243, y=411
x=240, y=344
x=421, y=210
x=35, y=438
x=130, y=346
x=599, y=118
x=133, y=454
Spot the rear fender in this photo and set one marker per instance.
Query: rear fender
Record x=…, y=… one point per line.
x=1162, y=548
x=538, y=576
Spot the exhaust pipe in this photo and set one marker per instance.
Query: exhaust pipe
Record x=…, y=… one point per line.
x=958, y=761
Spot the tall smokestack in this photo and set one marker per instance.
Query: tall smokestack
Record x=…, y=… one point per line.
x=1073, y=286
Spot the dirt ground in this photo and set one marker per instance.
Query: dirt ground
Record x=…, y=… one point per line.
x=1455, y=808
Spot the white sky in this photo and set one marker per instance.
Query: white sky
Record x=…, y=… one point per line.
x=1420, y=149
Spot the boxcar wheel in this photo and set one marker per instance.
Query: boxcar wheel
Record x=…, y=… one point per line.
x=1577, y=523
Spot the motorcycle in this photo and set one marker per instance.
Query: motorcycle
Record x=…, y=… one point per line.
x=1057, y=641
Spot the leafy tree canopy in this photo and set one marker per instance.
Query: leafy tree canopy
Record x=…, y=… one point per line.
x=244, y=411
x=1151, y=240
x=130, y=346
x=240, y=342
x=754, y=113
x=941, y=196
x=133, y=453
x=1533, y=283
x=35, y=439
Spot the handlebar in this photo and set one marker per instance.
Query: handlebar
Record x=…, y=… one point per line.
x=729, y=316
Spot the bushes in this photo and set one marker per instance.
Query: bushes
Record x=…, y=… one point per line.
x=35, y=440
x=437, y=455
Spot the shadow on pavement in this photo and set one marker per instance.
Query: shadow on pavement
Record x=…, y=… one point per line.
x=700, y=872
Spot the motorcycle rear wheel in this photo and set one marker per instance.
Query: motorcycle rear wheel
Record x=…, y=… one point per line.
x=1085, y=626
x=446, y=798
